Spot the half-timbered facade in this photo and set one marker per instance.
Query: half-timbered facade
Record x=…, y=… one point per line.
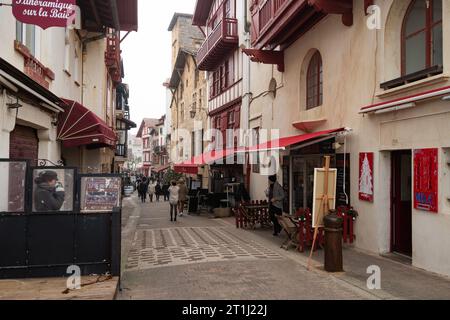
x=222, y=58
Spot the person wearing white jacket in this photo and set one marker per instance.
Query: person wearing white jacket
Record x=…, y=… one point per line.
x=173, y=200
x=151, y=189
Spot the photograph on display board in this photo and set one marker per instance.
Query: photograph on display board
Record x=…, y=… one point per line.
x=53, y=190
x=366, y=181
x=319, y=192
x=100, y=194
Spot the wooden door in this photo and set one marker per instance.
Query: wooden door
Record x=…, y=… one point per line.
x=401, y=202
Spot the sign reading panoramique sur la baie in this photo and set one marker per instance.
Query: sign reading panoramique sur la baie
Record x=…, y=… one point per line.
x=45, y=13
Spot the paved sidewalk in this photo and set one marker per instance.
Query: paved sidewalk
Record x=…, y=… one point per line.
x=398, y=280
x=200, y=258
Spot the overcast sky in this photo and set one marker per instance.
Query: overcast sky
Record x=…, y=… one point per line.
x=147, y=57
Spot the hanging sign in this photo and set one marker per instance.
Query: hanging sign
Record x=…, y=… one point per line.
x=366, y=176
x=426, y=180
x=45, y=13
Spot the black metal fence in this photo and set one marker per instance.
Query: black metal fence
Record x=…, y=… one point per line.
x=44, y=244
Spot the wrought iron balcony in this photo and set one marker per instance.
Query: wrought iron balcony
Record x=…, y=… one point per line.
x=219, y=42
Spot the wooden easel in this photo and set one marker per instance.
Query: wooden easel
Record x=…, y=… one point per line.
x=324, y=204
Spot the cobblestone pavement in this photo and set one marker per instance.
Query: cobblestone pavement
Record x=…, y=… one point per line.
x=200, y=258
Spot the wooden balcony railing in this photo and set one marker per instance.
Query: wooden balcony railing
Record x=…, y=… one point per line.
x=223, y=38
x=112, y=58
x=281, y=22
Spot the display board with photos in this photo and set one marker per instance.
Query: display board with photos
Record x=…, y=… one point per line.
x=100, y=193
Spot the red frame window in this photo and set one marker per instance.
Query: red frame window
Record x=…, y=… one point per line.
x=314, y=82
x=422, y=45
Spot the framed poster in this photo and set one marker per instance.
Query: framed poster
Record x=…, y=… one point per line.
x=319, y=186
x=100, y=193
x=366, y=181
x=426, y=173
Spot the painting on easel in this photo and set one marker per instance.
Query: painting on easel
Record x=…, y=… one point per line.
x=319, y=193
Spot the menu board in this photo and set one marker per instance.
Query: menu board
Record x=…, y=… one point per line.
x=342, y=195
x=100, y=194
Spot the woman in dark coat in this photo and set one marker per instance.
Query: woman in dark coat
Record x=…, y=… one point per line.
x=49, y=194
x=143, y=188
x=158, y=190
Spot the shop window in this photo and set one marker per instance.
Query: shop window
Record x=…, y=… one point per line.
x=53, y=190
x=314, y=82
x=422, y=36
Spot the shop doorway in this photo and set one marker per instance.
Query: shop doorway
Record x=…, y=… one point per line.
x=401, y=202
x=303, y=179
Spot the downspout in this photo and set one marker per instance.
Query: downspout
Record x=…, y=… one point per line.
x=247, y=100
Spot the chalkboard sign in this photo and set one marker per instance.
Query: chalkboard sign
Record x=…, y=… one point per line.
x=341, y=195
x=100, y=194
x=286, y=183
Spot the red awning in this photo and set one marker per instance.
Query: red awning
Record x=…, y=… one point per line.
x=161, y=168
x=289, y=141
x=78, y=126
x=191, y=166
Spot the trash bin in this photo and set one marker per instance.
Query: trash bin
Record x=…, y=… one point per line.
x=333, y=243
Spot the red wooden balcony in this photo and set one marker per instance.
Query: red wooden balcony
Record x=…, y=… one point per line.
x=218, y=44
x=281, y=22
x=112, y=58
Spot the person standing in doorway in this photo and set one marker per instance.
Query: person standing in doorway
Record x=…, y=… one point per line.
x=183, y=193
x=173, y=200
x=275, y=195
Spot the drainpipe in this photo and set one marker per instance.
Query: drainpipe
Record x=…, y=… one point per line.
x=246, y=100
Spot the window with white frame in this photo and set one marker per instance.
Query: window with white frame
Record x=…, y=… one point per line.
x=26, y=35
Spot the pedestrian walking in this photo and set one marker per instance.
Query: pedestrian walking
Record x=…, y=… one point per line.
x=151, y=189
x=143, y=187
x=165, y=191
x=173, y=200
x=183, y=192
x=158, y=190
x=275, y=195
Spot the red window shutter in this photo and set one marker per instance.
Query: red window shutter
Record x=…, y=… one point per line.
x=426, y=173
x=237, y=117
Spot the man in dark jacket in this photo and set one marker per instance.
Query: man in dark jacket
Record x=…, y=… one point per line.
x=275, y=195
x=49, y=194
x=143, y=188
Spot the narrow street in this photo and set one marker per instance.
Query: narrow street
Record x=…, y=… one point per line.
x=201, y=258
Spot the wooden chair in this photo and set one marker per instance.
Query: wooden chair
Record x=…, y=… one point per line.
x=291, y=229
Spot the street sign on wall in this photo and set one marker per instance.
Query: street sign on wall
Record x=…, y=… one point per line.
x=45, y=13
x=426, y=172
